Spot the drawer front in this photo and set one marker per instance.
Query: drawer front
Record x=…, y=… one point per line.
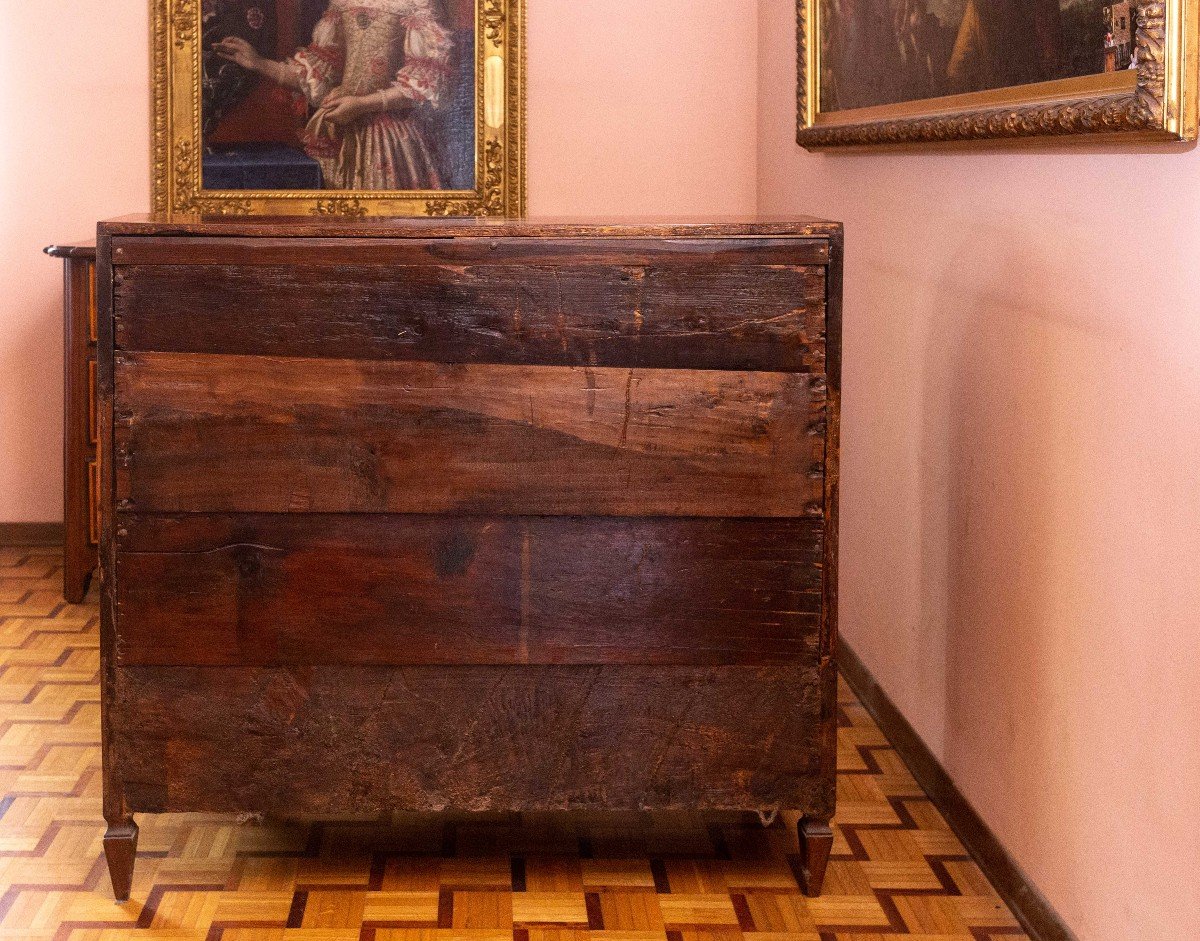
x=254, y=434
x=307, y=590
x=740, y=304
x=327, y=740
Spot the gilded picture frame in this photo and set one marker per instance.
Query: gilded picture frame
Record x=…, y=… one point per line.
x=1153, y=99
x=499, y=138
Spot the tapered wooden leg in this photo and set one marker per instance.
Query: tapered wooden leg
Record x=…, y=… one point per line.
x=120, y=849
x=77, y=574
x=816, y=843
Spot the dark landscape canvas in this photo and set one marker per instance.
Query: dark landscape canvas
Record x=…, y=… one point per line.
x=881, y=52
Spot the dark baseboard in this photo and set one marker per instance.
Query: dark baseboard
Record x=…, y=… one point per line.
x=1040, y=921
x=31, y=534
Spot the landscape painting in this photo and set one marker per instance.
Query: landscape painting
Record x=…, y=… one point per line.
x=878, y=52
x=899, y=72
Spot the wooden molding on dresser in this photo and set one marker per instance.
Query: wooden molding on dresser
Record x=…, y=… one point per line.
x=1037, y=916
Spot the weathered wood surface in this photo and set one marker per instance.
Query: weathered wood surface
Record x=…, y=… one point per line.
x=610, y=477
x=325, y=253
x=334, y=590
x=328, y=739
x=573, y=312
x=534, y=227
x=264, y=434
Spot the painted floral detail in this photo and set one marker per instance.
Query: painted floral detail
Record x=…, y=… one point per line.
x=292, y=101
x=255, y=17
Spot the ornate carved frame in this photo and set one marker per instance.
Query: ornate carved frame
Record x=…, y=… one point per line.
x=500, y=131
x=1158, y=103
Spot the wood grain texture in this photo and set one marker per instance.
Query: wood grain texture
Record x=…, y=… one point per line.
x=533, y=227
x=324, y=739
x=832, y=482
x=327, y=253
x=264, y=434
x=378, y=590
x=476, y=309
x=114, y=807
x=440, y=516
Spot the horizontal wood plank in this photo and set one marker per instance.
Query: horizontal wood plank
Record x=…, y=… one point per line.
x=266, y=434
x=311, y=590
x=178, y=225
x=699, y=315
x=572, y=252
x=324, y=740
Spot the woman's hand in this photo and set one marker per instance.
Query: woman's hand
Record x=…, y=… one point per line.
x=346, y=109
x=237, y=50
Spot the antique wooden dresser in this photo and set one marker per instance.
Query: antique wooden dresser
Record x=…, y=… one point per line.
x=472, y=515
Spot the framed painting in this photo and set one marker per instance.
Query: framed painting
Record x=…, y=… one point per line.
x=897, y=72
x=339, y=107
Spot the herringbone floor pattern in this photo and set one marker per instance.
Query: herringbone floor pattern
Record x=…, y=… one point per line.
x=896, y=869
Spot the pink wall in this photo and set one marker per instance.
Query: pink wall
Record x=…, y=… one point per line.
x=637, y=106
x=1021, y=471
x=642, y=106
x=73, y=149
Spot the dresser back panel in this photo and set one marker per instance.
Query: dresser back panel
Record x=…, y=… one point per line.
x=751, y=305
x=251, y=434
x=539, y=520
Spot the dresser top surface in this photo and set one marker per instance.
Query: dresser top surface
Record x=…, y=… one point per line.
x=531, y=227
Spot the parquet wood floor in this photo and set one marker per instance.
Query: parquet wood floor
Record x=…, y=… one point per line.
x=897, y=870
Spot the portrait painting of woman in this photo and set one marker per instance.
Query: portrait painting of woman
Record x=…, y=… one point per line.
x=375, y=96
